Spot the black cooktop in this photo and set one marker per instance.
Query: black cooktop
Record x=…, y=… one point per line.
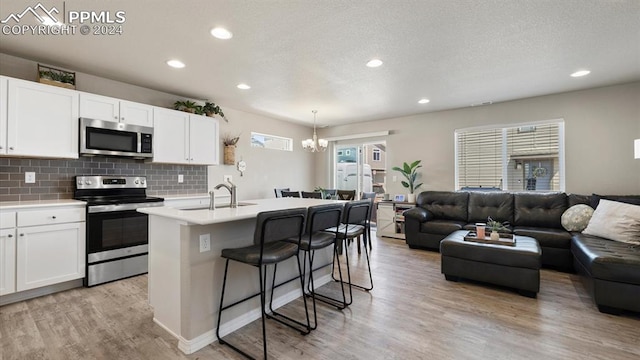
x=114, y=200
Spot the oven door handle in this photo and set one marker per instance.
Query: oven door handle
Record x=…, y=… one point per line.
x=121, y=207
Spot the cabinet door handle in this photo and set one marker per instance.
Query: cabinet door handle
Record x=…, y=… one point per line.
x=53, y=217
x=21, y=234
x=10, y=147
x=122, y=118
x=10, y=235
x=115, y=117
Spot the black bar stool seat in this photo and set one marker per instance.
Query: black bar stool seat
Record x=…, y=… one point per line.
x=272, y=253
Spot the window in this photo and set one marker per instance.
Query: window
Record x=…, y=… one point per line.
x=376, y=154
x=271, y=142
x=525, y=157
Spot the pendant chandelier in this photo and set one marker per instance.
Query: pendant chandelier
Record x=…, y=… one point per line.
x=314, y=144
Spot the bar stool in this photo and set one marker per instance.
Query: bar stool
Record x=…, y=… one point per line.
x=268, y=249
x=320, y=218
x=311, y=194
x=356, y=214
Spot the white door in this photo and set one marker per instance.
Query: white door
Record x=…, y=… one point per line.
x=99, y=107
x=42, y=120
x=203, y=140
x=136, y=113
x=49, y=254
x=3, y=115
x=7, y=261
x=170, y=136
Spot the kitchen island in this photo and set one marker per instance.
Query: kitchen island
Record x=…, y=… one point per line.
x=186, y=270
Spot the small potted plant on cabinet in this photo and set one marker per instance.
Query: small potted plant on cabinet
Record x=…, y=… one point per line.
x=410, y=172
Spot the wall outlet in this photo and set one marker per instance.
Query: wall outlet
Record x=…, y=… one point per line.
x=180, y=178
x=30, y=177
x=205, y=242
x=395, y=178
x=227, y=178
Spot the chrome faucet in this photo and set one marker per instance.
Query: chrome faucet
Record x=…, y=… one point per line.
x=232, y=190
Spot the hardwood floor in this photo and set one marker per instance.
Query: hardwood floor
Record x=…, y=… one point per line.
x=412, y=313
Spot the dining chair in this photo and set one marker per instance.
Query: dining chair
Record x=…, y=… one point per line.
x=312, y=195
x=295, y=194
x=279, y=191
x=330, y=193
x=272, y=227
x=346, y=195
x=371, y=196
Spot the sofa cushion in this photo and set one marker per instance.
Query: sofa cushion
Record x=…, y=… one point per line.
x=442, y=227
x=497, y=205
x=547, y=237
x=615, y=221
x=445, y=205
x=607, y=259
x=576, y=218
x=629, y=199
x=575, y=199
x=539, y=210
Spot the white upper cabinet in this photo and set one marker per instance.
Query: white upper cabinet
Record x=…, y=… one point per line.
x=42, y=120
x=203, y=140
x=111, y=109
x=3, y=115
x=183, y=138
x=170, y=136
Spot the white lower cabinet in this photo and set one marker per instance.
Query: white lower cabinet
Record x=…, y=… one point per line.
x=7, y=261
x=49, y=254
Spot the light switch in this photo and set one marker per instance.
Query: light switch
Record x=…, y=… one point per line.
x=205, y=242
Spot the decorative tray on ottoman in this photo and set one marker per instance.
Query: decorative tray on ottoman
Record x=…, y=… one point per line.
x=505, y=239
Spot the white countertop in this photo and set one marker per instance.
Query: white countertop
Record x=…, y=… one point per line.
x=17, y=205
x=191, y=196
x=221, y=215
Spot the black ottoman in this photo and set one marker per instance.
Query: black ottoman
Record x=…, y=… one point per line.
x=516, y=266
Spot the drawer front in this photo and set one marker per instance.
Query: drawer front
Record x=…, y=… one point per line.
x=7, y=220
x=50, y=216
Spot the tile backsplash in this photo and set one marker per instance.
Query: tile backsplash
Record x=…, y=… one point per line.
x=55, y=177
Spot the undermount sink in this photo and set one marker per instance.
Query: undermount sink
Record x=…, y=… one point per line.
x=218, y=206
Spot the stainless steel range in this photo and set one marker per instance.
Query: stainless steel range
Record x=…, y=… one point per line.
x=117, y=235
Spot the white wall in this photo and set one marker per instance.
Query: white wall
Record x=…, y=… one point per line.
x=266, y=169
x=600, y=125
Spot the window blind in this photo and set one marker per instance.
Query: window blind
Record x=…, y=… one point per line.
x=480, y=158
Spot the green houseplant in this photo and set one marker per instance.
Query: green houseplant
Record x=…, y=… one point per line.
x=496, y=227
x=410, y=172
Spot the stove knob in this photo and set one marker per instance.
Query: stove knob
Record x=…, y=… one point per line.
x=137, y=182
x=87, y=182
x=142, y=181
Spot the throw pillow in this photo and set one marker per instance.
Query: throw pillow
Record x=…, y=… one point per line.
x=576, y=218
x=616, y=221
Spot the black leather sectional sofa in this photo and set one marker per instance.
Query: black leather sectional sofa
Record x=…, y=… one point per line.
x=611, y=269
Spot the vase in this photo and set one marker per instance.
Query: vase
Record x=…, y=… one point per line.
x=495, y=236
x=229, y=155
x=411, y=198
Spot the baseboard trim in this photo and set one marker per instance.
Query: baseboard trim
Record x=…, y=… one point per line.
x=42, y=291
x=209, y=337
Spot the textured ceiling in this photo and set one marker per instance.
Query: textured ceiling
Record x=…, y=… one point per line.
x=300, y=55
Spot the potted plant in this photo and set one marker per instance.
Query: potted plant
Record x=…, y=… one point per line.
x=496, y=227
x=230, y=143
x=410, y=172
x=210, y=109
x=186, y=106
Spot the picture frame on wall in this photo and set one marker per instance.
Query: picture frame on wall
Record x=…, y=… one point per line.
x=399, y=198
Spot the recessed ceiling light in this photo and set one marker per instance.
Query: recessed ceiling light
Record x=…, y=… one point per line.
x=374, y=63
x=243, y=86
x=423, y=101
x=221, y=33
x=580, y=73
x=176, y=64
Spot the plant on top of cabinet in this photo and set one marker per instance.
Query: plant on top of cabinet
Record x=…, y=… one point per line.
x=211, y=109
x=56, y=77
x=187, y=106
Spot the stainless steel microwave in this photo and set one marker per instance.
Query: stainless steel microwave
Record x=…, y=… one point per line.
x=98, y=137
